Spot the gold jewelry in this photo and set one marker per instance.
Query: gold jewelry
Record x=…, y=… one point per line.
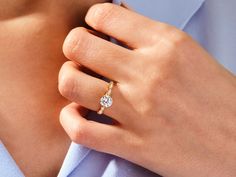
x=106, y=100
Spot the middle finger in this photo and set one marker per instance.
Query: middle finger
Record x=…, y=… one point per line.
x=97, y=54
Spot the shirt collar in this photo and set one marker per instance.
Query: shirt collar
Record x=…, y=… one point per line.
x=8, y=167
x=177, y=13
x=74, y=157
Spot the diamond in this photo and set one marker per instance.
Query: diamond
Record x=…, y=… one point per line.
x=106, y=101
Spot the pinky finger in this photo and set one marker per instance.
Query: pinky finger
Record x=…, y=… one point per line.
x=94, y=135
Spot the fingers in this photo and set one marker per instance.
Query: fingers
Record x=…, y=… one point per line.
x=129, y=27
x=97, y=54
x=86, y=90
x=98, y=136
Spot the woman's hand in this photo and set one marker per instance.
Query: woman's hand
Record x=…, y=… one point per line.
x=174, y=105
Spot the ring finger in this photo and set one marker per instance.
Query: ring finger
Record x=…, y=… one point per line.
x=87, y=90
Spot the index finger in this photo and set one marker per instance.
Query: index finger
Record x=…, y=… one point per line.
x=124, y=25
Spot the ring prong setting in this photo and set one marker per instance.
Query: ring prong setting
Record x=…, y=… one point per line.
x=106, y=101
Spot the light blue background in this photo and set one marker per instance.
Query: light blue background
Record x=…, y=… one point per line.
x=211, y=22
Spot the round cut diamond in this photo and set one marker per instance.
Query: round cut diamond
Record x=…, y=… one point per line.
x=106, y=101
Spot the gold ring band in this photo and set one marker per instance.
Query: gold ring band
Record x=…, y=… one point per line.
x=106, y=100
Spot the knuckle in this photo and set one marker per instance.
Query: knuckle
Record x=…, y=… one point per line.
x=172, y=54
x=176, y=40
x=75, y=43
x=162, y=28
x=98, y=15
x=179, y=38
x=78, y=133
x=63, y=115
x=66, y=88
x=66, y=83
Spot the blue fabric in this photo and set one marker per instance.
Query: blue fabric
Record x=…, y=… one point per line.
x=8, y=167
x=81, y=161
x=214, y=27
x=211, y=22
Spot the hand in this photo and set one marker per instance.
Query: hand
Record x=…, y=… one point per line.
x=174, y=105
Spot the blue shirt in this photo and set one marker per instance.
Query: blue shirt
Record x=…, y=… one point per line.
x=211, y=22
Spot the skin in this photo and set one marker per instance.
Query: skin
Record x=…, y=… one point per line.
x=31, y=38
x=174, y=105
